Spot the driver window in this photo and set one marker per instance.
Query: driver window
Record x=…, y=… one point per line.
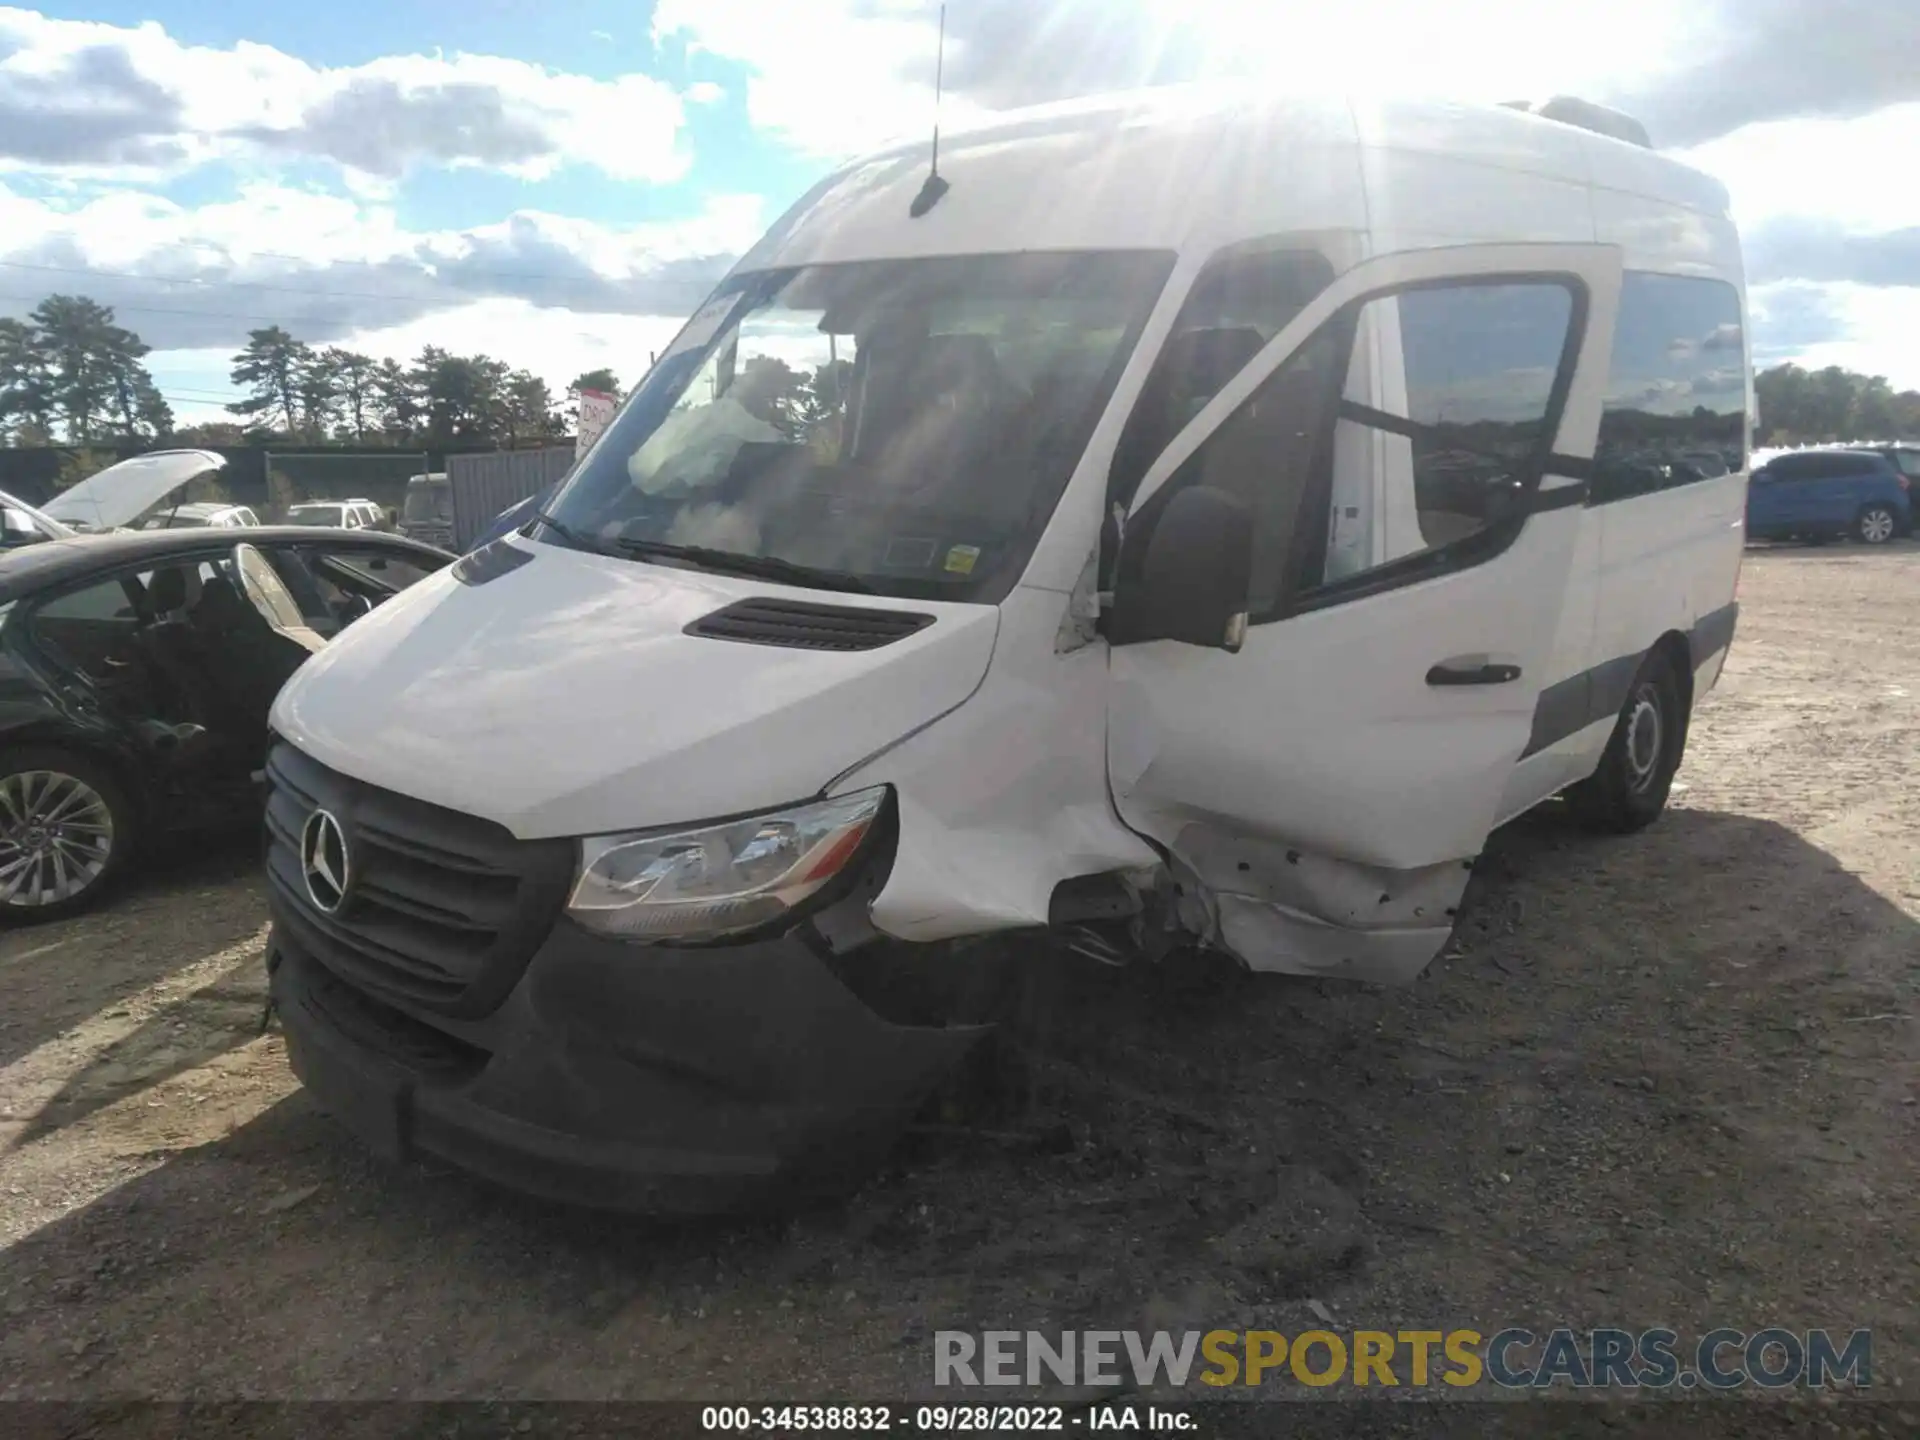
x=1242, y=299
x=1446, y=407
x=1402, y=428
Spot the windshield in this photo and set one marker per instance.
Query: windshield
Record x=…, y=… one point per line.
x=428, y=502
x=327, y=515
x=906, y=426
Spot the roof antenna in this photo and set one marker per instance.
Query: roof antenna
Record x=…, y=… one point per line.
x=935, y=187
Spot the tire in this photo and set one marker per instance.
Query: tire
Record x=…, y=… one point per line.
x=1630, y=788
x=70, y=812
x=1876, y=525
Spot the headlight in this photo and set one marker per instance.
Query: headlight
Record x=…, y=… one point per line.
x=722, y=879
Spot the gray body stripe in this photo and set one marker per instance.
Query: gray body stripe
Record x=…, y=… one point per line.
x=1571, y=705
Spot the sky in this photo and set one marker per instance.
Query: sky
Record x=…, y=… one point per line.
x=559, y=183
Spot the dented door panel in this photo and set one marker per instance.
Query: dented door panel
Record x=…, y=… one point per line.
x=1320, y=788
x=1293, y=911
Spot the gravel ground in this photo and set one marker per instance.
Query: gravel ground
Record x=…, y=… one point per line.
x=1661, y=1080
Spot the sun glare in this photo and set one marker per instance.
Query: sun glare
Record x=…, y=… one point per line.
x=1468, y=49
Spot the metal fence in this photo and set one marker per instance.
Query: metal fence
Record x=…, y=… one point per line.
x=484, y=485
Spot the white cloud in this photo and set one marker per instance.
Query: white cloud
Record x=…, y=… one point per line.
x=553, y=344
x=1751, y=61
x=841, y=76
x=90, y=98
x=828, y=76
x=1869, y=328
x=329, y=268
x=1844, y=171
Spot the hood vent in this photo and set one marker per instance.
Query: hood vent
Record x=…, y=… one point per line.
x=802, y=625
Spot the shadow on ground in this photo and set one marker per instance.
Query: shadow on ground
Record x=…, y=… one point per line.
x=1624, y=1097
x=189, y=903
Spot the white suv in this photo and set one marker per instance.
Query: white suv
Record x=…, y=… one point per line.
x=198, y=513
x=337, y=514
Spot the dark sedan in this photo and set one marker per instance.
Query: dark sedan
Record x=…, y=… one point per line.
x=136, y=672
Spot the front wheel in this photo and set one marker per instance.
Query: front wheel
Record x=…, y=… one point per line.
x=1877, y=525
x=66, y=832
x=1630, y=788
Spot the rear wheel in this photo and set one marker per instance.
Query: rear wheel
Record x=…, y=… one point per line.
x=1877, y=525
x=1630, y=788
x=66, y=833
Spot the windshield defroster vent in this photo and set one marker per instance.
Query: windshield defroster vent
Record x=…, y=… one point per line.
x=802, y=625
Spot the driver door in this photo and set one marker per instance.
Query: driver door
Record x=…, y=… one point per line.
x=1412, y=450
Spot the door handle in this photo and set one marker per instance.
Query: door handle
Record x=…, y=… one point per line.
x=1472, y=670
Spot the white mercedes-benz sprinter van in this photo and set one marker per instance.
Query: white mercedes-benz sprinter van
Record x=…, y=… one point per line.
x=1190, y=520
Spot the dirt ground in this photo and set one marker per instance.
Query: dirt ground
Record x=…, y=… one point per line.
x=1661, y=1080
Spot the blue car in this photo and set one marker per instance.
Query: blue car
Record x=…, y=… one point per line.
x=1819, y=494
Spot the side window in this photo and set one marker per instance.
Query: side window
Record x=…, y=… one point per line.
x=1676, y=405
x=316, y=600
x=96, y=628
x=383, y=573
x=1401, y=430
x=1240, y=301
x=1449, y=406
x=1870, y=468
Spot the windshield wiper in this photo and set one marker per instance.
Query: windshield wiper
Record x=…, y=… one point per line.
x=572, y=536
x=764, y=567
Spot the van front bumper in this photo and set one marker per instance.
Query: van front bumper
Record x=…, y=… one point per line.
x=693, y=1081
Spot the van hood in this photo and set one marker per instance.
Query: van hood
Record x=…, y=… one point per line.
x=562, y=696
x=121, y=493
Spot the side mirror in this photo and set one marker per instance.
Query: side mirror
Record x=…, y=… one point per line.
x=1186, y=574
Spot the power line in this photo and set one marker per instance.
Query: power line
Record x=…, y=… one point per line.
x=210, y=394
x=369, y=264
x=190, y=400
x=117, y=306
x=247, y=284
x=488, y=271
x=158, y=310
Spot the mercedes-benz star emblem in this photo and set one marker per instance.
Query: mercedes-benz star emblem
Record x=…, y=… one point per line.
x=323, y=861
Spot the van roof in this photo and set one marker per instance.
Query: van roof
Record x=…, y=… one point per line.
x=1192, y=168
